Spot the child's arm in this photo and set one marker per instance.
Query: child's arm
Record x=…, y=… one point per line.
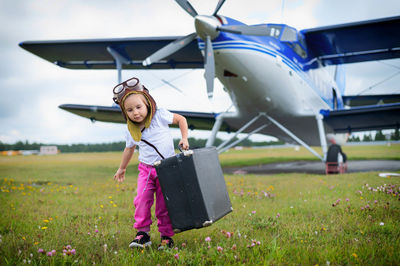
x=183, y=126
x=126, y=157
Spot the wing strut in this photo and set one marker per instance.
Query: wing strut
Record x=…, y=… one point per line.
x=321, y=131
x=119, y=60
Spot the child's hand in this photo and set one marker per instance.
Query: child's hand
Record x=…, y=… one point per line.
x=184, y=144
x=120, y=175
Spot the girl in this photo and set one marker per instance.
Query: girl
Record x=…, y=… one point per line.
x=148, y=128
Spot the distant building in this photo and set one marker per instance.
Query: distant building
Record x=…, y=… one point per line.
x=10, y=153
x=48, y=150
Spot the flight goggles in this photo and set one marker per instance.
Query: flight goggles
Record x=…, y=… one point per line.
x=123, y=88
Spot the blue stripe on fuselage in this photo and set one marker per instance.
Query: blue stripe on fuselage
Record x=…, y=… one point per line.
x=270, y=46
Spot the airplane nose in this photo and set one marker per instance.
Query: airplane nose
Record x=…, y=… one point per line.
x=206, y=26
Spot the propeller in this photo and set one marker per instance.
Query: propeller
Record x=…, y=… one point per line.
x=207, y=28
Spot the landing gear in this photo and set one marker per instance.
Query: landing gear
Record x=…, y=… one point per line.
x=225, y=145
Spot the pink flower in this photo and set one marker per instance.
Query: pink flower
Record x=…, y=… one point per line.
x=219, y=249
x=53, y=252
x=208, y=239
x=96, y=230
x=49, y=254
x=40, y=250
x=68, y=247
x=73, y=252
x=253, y=212
x=278, y=215
x=176, y=256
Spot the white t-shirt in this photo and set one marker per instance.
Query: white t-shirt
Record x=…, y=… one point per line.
x=157, y=134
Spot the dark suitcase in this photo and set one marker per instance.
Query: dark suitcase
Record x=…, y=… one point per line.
x=194, y=188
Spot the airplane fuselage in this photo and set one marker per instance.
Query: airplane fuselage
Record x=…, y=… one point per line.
x=264, y=74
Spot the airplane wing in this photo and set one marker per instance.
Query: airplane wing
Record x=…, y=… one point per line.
x=373, y=117
x=355, y=42
x=94, y=54
x=196, y=120
x=373, y=99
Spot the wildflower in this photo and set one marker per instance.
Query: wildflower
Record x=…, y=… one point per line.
x=97, y=230
x=73, y=251
x=46, y=221
x=40, y=250
x=183, y=244
x=354, y=255
x=208, y=239
x=233, y=247
x=176, y=256
x=44, y=228
x=49, y=254
x=219, y=249
x=253, y=212
x=278, y=215
x=381, y=224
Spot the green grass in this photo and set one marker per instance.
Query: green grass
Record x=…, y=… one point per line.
x=49, y=202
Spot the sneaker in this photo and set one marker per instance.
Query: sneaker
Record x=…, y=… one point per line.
x=166, y=242
x=141, y=240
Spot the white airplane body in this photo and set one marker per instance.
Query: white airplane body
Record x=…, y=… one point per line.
x=274, y=75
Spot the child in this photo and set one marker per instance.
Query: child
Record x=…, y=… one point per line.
x=148, y=128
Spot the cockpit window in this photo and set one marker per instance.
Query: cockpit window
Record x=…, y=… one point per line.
x=289, y=35
x=295, y=40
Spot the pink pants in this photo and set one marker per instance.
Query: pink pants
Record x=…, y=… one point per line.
x=147, y=185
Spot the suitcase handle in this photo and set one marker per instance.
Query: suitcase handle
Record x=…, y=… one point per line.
x=185, y=152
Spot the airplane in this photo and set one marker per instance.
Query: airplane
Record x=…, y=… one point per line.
x=275, y=75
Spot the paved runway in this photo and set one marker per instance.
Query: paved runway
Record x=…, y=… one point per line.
x=315, y=167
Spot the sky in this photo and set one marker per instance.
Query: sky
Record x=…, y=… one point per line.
x=31, y=89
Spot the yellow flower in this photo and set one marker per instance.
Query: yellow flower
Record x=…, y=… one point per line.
x=46, y=221
x=101, y=206
x=36, y=243
x=115, y=205
x=44, y=228
x=109, y=197
x=23, y=238
x=354, y=255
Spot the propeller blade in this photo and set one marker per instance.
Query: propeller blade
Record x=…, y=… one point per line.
x=209, y=67
x=260, y=30
x=219, y=5
x=187, y=7
x=170, y=49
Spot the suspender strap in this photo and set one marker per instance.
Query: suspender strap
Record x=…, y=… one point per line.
x=154, y=147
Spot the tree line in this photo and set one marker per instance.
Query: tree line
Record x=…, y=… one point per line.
x=379, y=136
x=115, y=146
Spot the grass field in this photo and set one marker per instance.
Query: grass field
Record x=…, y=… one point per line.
x=69, y=204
